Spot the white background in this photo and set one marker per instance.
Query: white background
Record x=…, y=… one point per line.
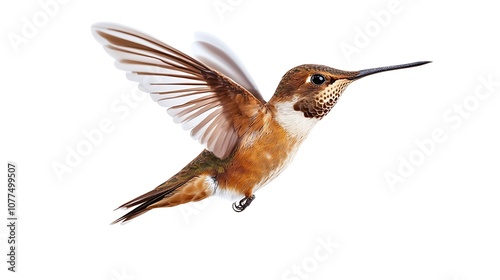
x=442, y=222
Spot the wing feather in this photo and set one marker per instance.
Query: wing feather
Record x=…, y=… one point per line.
x=204, y=99
x=214, y=53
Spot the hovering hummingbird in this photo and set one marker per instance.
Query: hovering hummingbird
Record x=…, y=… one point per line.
x=248, y=141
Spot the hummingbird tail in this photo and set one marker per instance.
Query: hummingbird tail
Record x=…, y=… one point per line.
x=168, y=195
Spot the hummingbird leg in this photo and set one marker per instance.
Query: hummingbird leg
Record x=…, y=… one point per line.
x=243, y=203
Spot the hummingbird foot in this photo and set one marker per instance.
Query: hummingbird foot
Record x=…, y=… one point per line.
x=243, y=204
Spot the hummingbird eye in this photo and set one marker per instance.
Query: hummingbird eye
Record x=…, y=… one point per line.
x=317, y=79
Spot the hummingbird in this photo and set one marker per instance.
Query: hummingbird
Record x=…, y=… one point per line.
x=248, y=141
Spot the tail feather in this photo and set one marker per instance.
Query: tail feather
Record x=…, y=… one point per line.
x=147, y=196
x=193, y=183
x=144, y=201
x=168, y=195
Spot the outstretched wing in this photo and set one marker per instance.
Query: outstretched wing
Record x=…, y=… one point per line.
x=217, y=55
x=216, y=109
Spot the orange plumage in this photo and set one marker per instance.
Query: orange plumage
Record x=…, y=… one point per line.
x=248, y=141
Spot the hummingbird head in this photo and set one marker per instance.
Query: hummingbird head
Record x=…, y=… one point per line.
x=308, y=92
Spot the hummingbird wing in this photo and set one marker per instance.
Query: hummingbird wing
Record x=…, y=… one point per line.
x=217, y=55
x=216, y=109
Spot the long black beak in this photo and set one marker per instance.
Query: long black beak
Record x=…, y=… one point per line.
x=367, y=72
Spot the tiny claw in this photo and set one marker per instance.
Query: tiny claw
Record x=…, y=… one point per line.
x=243, y=203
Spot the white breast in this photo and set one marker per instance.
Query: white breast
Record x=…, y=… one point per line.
x=293, y=121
